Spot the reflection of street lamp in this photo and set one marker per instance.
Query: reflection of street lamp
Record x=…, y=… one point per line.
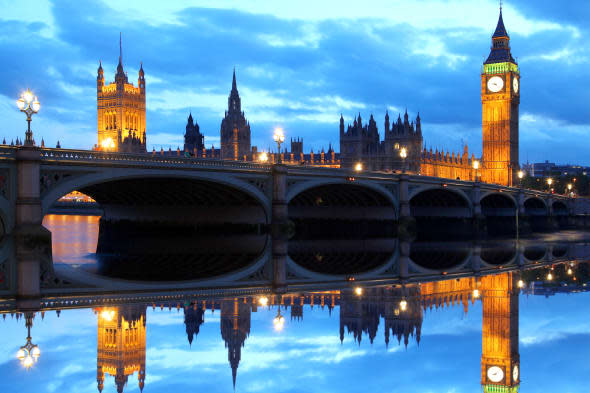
x=476, y=293
x=28, y=104
x=279, y=137
x=28, y=353
x=358, y=291
x=263, y=301
x=476, y=167
x=403, y=304
x=520, y=283
x=403, y=153
x=358, y=167
x=279, y=321
x=549, y=276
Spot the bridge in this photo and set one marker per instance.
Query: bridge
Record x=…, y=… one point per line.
x=175, y=189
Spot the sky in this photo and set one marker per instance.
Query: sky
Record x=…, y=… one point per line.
x=307, y=355
x=299, y=65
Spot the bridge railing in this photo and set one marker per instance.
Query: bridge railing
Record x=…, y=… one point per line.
x=93, y=156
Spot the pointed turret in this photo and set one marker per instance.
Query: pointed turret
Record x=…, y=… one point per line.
x=386, y=122
x=120, y=65
x=500, y=52
x=500, y=29
x=234, y=86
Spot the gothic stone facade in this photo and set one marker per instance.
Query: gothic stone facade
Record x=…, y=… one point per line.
x=121, y=112
x=235, y=129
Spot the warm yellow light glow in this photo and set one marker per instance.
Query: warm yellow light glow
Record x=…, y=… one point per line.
x=549, y=181
x=358, y=167
x=263, y=157
x=520, y=284
x=36, y=105
x=549, y=276
x=476, y=293
x=520, y=174
x=28, y=362
x=107, y=315
x=36, y=352
x=403, y=153
x=358, y=291
x=28, y=96
x=569, y=186
x=279, y=322
x=475, y=164
x=279, y=135
x=570, y=271
x=20, y=103
x=20, y=355
x=263, y=301
x=403, y=305
x=107, y=143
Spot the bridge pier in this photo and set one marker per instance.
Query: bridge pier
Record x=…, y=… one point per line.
x=406, y=223
x=31, y=238
x=279, y=227
x=478, y=219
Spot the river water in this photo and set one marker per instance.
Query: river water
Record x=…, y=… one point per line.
x=446, y=339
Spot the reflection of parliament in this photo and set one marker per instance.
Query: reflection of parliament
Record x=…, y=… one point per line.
x=122, y=127
x=121, y=333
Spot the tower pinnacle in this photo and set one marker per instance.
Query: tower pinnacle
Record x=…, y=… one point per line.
x=233, y=83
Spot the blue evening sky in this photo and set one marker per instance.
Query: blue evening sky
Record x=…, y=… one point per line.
x=299, y=65
x=307, y=356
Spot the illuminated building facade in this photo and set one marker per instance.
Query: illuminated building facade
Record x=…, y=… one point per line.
x=500, y=98
x=121, y=112
x=500, y=95
x=121, y=344
x=235, y=129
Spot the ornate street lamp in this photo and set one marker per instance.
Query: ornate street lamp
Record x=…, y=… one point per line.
x=279, y=137
x=476, y=167
x=30, y=105
x=520, y=176
x=29, y=353
x=403, y=153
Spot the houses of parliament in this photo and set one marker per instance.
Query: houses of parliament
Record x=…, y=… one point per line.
x=121, y=113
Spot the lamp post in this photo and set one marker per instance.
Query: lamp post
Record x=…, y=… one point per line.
x=476, y=167
x=279, y=137
x=29, y=353
x=403, y=153
x=569, y=188
x=279, y=320
x=549, y=183
x=30, y=105
x=520, y=176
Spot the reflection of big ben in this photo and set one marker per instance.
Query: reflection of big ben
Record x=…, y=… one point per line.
x=120, y=344
x=500, y=360
x=500, y=98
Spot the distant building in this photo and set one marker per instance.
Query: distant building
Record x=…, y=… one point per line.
x=543, y=169
x=235, y=129
x=121, y=111
x=194, y=141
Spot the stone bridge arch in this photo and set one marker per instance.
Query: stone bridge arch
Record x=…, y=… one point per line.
x=439, y=202
x=535, y=206
x=196, y=181
x=559, y=208
x=334, y=198
x=498, y=204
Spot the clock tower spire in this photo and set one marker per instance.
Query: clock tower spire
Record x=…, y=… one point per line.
x=500, y=98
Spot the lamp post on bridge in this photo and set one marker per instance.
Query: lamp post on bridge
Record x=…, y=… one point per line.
x=279, y=138
x=520, y=176
x=29, y=105
x=403, y=153
x=476, y=167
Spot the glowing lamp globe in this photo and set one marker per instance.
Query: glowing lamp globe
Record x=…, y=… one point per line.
x=403, y=305
x=20, y=103
x=36, y=105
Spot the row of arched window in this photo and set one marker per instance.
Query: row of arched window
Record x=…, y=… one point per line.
x=130, y=121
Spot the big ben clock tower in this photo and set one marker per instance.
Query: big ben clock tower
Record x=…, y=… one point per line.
x=500, y=98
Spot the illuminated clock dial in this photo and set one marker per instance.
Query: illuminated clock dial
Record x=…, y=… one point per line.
x=515, y=373
x=495, y=84
x=515, y=84
x=495, y=374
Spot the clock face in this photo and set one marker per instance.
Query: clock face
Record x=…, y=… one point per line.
x=515, y=373
x=515, y=84
x=495, y=84
x=495, y=374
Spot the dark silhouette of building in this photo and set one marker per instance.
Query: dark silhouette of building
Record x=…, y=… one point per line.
x=235, y=328
x=194, y=141
x=235, y=129
x=361, y=143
